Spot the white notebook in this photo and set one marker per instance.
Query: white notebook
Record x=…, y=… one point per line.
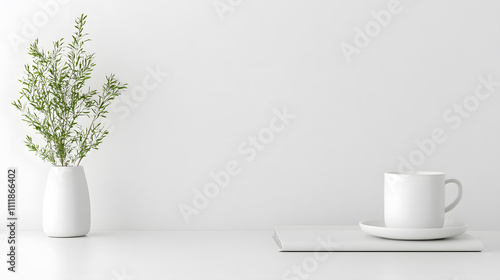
x=353, y=239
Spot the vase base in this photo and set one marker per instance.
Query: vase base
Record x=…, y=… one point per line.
x=66, y=236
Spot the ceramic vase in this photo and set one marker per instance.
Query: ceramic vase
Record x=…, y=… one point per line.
x=66, y=203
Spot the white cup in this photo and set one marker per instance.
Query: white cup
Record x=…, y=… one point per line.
x=416, y=199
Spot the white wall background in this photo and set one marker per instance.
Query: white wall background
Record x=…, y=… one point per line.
x=353, y=120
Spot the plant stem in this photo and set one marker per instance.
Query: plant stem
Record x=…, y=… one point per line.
x=85, y=139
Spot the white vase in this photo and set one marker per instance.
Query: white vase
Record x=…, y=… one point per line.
x=66, y=204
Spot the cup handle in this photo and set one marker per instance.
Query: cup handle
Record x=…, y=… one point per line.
x=459, y=196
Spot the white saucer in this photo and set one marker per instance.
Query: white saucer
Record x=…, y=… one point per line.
x=377, y=228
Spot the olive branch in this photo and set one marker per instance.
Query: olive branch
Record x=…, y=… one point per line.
x=56, y=104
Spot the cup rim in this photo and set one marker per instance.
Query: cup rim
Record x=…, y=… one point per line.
x=420, y=173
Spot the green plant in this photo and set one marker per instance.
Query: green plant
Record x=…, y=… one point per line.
x=59, y=108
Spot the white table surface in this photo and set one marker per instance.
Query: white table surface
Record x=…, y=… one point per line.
x=141, y=255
